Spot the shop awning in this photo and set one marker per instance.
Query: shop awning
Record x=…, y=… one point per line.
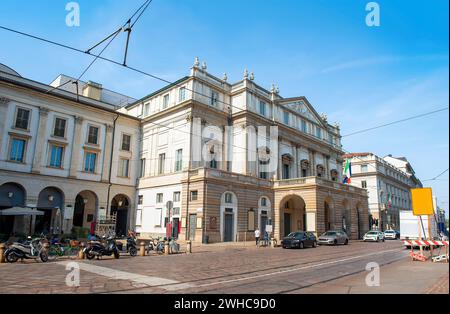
x=21, y=211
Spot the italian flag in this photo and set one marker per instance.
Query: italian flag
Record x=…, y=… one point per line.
x=347, y=172
x=389, y=199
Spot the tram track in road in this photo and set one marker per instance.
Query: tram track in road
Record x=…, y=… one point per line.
x=274, y=271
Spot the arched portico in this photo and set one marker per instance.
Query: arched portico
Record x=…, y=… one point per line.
x=120, y=206
x=292, y=217
x=11, y=195
x=51, y=202
x=85, y=211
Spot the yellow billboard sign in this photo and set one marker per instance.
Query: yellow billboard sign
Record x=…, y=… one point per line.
x=422, y=201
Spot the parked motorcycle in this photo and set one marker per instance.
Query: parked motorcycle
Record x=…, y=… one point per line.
x=155, y=245
x=32, y=249
x=131, y=246
x=97, y=249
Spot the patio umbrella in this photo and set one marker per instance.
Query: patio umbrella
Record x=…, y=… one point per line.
x=21, y=211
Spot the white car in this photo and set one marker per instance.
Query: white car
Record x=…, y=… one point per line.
x=374, y=236
x=390, y=235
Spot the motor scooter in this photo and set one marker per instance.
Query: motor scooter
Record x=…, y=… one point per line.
x=97, y=249
x=32, y=249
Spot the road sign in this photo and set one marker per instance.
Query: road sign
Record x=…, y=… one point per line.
x=422, y=201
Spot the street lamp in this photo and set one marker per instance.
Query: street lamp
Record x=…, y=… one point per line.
x=10, y=194
x=50, y=198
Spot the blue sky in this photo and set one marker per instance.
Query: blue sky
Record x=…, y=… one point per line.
x=322, y=49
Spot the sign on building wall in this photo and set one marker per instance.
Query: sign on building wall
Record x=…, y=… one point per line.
x=213, y=223
x=68, y=213
x=422, y=201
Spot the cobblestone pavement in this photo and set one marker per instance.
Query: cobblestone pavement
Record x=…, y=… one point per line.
x=210, y=269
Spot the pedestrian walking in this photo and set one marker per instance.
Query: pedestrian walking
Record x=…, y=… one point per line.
x=257, y=235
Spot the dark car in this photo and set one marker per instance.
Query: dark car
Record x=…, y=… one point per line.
x=300, y=240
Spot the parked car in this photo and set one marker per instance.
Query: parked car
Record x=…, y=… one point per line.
x=333, y=238
x=300, y=240
x=374, y=236
x=390, y=235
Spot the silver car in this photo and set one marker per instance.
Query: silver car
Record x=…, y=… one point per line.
x=333, y=238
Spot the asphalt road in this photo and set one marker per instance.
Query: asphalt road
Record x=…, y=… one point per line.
x=224, y=270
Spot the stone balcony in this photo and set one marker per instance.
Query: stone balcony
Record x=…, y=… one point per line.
x=318, y=182
x=277, y=184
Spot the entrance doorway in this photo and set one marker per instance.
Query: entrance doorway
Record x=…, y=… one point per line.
x=119, y=207
x=228, y=225
x=192, y=226
x=287, y=224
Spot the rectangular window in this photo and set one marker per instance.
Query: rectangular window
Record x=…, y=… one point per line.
x=93, y=135
x=229, y=198
x=176, y=197
x=286, y=117
x=194, y=195
x=143, y=162
x=89, y=162
x=140, y=199
x=214, y=98
x=304, y=126
x=318, y=132
x=182, y=94
x=161, y=163
x=364, y=184
x=124, y=165
x=126, y=142
x=364, y=168
x=17, y=151
x=159, y=198
x=179, y=160
x=22, y=118
x=146, y=109
x=60, y=127
x=262, y=108
x=56, y=156
x=166, y=101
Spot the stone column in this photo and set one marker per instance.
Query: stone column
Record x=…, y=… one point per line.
x=3, y=110
x=299, y=162
x=312, y=157
x=296, y=162
x=40, y=141
x=76, y=146
x=107, y=152
x=327, y=167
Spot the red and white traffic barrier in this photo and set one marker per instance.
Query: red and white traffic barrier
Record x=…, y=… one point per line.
x=425, y=243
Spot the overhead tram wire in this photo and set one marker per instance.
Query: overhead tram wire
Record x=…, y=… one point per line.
x=177, y=85
x=438, y=176
x=188, y=89
x=112, y=36
x=396, y=122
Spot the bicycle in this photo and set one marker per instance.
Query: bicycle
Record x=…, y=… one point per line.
x=57, y=249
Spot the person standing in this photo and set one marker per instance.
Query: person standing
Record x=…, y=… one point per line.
x=257, y=235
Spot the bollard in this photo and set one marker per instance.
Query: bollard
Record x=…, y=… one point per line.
x=45, y=247
x=81, y=251
x=166, y=248
x=142, y=249
x=189, y=247
x=273, y=242
x=2, y=252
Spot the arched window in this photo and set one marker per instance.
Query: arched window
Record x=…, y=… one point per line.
x=320, y=170
x=286, y=168
x=264, y=161
x=228, y=198
x=334, y=175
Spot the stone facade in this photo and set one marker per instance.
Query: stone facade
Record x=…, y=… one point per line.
x=388, y=181
x=46, y=138
x=181, y=120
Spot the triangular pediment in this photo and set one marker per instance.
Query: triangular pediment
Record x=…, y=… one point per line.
x=301, y=106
